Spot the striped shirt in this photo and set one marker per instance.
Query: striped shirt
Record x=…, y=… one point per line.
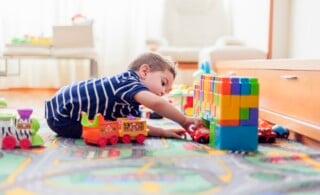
x=110, y=96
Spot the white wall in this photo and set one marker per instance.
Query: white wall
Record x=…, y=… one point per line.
x=250, y=21
x=281, y=24
x=304, y=39
x=296, y=26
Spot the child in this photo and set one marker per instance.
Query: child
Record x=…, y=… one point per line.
x=149, y=77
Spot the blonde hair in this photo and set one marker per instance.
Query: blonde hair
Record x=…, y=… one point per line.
x=155, y=61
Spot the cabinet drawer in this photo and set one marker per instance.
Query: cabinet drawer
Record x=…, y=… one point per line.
x=289, y=91
x=292, y=93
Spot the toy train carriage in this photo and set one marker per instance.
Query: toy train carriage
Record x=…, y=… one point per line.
x=101, y=132
x=19, y=132
x=132, y=129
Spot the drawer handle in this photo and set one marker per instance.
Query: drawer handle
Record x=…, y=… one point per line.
x=289, y=77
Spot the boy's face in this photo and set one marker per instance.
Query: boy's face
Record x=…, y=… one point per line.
x=158, y=82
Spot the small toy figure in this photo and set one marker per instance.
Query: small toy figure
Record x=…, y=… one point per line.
x=20, y=131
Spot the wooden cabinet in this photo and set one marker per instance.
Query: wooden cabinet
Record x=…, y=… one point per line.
x=289, y=91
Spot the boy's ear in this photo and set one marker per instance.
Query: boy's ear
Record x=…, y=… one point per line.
x=143, y=70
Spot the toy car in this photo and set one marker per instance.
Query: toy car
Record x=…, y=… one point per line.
x=200, y=135
x=280, y=131
x=265, y=133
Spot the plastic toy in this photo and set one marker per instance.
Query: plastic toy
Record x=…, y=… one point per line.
x=200, y=135
x=188, y=105
x=3, y=103
x=265, y=133
x=101, y=132
x=20, y=131
x=280, y=131
x=180, y=96
x=231, y=104
x=204, y=68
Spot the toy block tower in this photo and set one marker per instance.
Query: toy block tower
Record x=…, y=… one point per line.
x=231, y=104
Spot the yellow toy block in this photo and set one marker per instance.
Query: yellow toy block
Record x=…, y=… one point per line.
x=249, y=101
x=229, y=108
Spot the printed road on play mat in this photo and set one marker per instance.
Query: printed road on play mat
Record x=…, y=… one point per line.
x=159, y=166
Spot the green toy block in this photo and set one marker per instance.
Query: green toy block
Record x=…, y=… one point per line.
x=212, y=133
x=244, y=113
x=254, y=86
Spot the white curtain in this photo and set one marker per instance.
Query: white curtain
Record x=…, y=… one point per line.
x=120, y=30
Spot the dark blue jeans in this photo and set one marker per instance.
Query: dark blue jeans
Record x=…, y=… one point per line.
x=65, y=128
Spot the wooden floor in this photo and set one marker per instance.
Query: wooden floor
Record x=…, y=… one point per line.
x=27, y=98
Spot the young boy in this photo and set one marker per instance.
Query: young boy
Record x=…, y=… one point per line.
x=149, y=77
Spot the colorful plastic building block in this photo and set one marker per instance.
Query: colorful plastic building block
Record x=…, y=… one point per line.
x=188, y=105
x=20, y=131
x=231, y=104
x=101, y=132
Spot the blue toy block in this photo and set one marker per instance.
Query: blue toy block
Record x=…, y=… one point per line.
x=235, y=86
x=242, y=138
x=245, y=86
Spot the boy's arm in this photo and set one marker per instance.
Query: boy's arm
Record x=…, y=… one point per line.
x=159, y=132
x=160, y=106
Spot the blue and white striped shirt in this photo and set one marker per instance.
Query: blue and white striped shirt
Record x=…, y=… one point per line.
x=110, y=96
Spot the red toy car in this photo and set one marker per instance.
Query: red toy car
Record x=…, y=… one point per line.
x=200, y=135
x=265, y=133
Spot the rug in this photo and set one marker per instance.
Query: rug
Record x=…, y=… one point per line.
x=159, y=166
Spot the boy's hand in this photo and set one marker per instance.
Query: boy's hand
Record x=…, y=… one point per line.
x=191, y=121
x=174, y=133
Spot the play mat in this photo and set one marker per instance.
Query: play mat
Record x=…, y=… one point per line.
x=159, y=166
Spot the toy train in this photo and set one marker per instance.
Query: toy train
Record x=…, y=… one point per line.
x=102, y=132
x=19, y=132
